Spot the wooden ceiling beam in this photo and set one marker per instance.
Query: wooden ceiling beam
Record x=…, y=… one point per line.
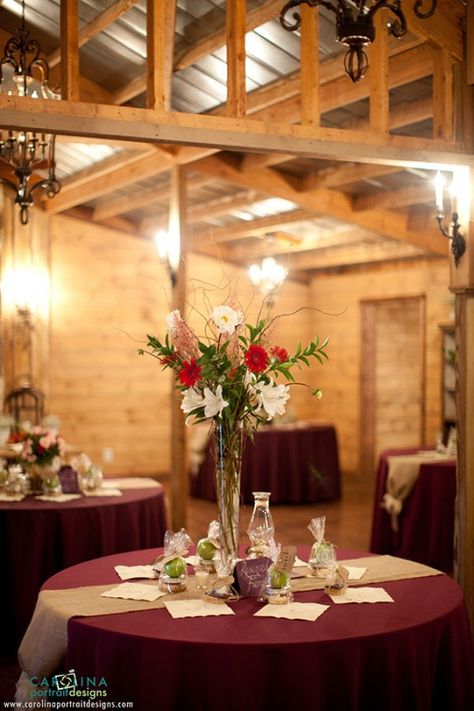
x=310, y=105
x=346, y=174
x=200, y=49
x=326, y=202
x=443, y=29
x=160, y=18
x=110, y=207
x=108, y=176
x=405, y=197
x=252, y=228
x=98, y=24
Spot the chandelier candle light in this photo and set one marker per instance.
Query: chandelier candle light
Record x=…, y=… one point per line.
x=458, y=242
x=24, y=73
x=355, y=25
x=229, y=379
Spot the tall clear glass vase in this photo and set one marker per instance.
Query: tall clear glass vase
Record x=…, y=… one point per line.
x=228, y=465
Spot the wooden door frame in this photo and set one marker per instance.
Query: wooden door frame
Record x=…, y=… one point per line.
x=367, y=376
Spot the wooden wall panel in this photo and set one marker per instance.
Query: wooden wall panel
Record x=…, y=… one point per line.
x=342, y=293
x=108, y=290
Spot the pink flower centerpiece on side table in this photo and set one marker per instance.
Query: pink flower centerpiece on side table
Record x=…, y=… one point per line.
x=41, y=454
x=230, y=379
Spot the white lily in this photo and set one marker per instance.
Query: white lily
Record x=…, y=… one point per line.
x=192, y=399
x=214, y=403
x=272, y=398
x=226, y=319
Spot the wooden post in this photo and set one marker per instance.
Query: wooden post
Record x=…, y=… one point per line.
x=69, y=50
x=235, y=37
x=179, y=469
x=378, y=77
x=462, y=284
x=160, y=24
x=310, y=109
x=442, y=94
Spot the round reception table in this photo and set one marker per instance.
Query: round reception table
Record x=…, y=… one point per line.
x=297, y=463
x=39, y=538
x=415, y=653
x=425, y=525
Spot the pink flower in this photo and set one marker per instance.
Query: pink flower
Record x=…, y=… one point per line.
x=184, y=339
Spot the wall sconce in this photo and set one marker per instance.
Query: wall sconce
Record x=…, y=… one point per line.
x=268, y=276
x=452, y=231
x=168, y=248
x=26, y=291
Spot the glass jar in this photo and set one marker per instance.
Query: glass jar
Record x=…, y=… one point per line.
x=173, y=576
x=277, y=587
x=261, y=529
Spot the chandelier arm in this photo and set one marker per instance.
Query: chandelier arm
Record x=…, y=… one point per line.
x=399, y=28
x=296, y=24
x=8, y=183
x=424, y=14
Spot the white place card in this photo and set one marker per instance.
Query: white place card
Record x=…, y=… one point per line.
x=132, y=572
x=196, y=608
x=309, y=611
x=58, y=498
x=362, y=595
x=134, y=591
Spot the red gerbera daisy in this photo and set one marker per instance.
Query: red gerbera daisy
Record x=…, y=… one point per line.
x=280, y=353
x=256, y=358
x=189, y=373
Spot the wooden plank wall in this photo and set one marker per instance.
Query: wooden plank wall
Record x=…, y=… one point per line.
x=342, y=293
x=105, y=285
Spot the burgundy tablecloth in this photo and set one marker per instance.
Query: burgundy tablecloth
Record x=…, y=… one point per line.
x=298, y=465
x=414, y=654
x=426, y=522
x=39, y=538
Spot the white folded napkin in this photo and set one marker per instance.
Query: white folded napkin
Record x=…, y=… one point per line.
x=13, y=497
x=58, y=498
x=134, y=591
x=103, y=491
x=362, y=595
x=195, y=608
x=294, y=611
x=131, y=572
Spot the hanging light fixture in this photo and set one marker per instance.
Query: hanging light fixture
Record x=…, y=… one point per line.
x=355, y=25
x=268, y=276
x=24, y=73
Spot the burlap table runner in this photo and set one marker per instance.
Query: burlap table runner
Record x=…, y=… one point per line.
x=45, y=642
x=403, y=471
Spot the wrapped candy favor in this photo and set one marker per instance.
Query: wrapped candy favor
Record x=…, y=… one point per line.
x=322, y=554
x=277, y=585
x=208, y=549
x=171, y=565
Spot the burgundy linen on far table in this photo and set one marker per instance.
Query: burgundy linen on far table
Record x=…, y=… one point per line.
x=297, y=464
x=426, y=522
x=39, y=538
x=414, y=654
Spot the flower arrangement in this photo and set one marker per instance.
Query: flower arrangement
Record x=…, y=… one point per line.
x=230, y=378
x=42, y=447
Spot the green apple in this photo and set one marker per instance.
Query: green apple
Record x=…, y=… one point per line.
x=278, y=579
x=206, y=549
x=175, y=568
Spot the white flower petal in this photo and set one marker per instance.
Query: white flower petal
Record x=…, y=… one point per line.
x=192, y=399
x=214, y=403
x=226, y=319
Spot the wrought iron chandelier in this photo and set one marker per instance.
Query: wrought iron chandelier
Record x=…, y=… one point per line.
x=24, y=73
x=355, y=25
